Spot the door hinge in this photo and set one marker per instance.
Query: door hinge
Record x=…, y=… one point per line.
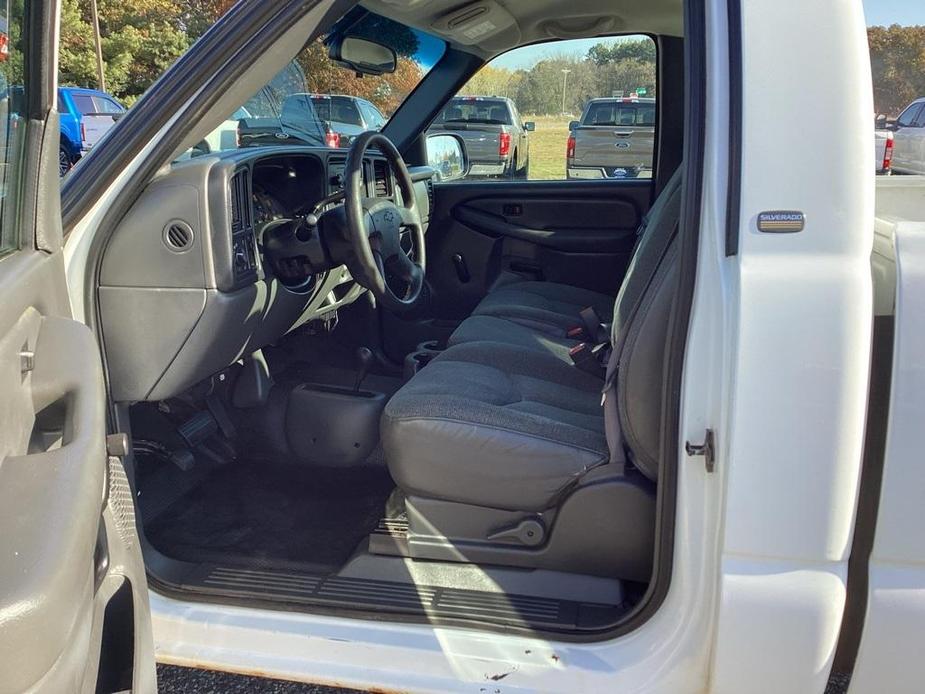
x=705, y=449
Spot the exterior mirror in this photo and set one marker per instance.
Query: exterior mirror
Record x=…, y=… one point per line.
x=529, y=126
x=362, y=56
x=446, y=154
x=573, y=125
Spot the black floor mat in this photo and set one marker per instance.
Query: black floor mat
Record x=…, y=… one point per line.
x=244, y=513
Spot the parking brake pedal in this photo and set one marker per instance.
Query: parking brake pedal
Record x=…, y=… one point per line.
x=198, y=429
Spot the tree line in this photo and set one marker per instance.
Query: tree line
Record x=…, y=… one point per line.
x=565, y=83
x=897, y=59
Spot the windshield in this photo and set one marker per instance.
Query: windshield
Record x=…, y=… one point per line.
x=315, y=101
x=476, y=109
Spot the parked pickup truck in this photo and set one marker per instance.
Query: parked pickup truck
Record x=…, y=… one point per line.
x=613, y=139
x=908, y=133
x=496, y=138
x=85, y=115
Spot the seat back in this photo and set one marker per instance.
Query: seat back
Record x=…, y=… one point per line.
x=633, y=383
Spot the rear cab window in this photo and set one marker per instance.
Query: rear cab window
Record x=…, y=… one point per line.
x=623, y=111
x=84, y=103
x=476, y=109
x=337, y=109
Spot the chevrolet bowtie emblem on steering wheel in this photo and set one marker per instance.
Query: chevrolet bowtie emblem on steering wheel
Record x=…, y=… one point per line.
x=389, y=217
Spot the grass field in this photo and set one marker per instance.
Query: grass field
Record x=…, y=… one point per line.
x=547, y=147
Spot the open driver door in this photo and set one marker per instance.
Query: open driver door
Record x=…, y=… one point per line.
x=74, y=613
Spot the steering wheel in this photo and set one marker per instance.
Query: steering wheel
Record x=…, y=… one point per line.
x=374, y=227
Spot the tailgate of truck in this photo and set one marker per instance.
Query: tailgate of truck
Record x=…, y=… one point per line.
x=612, y=147
x=94, y=126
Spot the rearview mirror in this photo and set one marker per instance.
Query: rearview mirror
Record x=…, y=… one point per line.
x=573, y=125
x=529, y=126
x=446, y=154
x=363, y=56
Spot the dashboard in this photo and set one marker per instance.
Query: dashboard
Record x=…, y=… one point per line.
x=188, y=284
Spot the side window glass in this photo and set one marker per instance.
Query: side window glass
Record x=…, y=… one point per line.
x=378, y=118
x=920, y=121
x=12, y=121
x=106, y=105
x=907, y=117
x=373, y=118
x=560, y=110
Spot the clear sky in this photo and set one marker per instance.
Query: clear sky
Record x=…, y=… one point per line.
x=886, y=12
x=878, y=12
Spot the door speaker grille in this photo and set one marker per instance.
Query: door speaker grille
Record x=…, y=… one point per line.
x=178, y=236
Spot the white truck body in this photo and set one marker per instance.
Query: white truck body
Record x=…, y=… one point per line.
x=777, y=363
x=777, y=360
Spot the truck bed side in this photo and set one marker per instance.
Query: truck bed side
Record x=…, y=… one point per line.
x=895, y=601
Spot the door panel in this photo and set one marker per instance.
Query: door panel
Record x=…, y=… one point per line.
x=580, y=233
x=71, y=574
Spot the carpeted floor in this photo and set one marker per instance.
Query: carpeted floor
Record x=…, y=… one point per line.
x=245, y=512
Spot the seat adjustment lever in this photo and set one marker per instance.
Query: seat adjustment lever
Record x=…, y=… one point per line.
x=530, y=532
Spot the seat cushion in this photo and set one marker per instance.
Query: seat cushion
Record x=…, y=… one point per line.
x=545, y=306
x=494, y=425
x=504, y=331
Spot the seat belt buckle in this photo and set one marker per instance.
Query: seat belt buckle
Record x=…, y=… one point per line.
x=587, y=357
x=596, y=330
x=577, y=333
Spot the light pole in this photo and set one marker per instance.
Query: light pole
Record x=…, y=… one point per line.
x=565, y=72
x=100, y=74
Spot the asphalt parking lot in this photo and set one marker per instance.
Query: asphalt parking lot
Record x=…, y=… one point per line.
x=180, y=680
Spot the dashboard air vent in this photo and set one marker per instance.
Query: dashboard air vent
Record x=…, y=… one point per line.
x=430, y=193
x=178, y=236
x=240, y=203
x=383, y=186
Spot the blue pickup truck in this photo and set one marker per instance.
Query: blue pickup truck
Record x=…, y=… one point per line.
x=73, y=104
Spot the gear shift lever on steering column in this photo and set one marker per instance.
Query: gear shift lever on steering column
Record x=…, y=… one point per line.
x=364, y=357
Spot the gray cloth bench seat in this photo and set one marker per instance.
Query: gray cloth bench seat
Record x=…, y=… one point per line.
x=502, y=422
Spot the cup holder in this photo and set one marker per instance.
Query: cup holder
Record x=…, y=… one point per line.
x=435, y=346
x=416, y=361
